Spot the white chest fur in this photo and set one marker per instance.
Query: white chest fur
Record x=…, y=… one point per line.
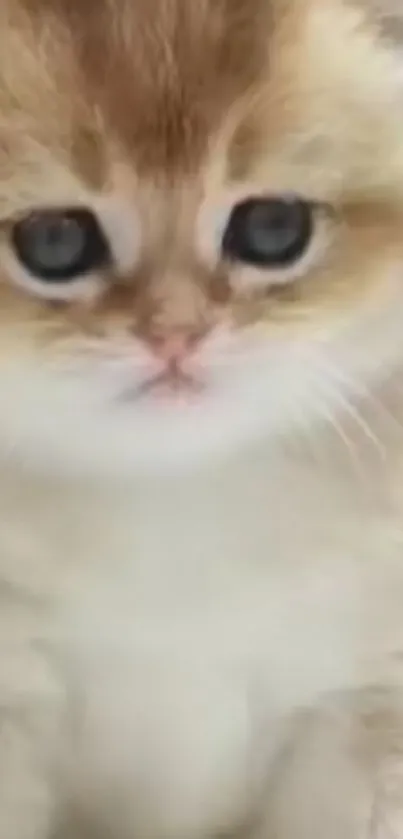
x=193, y=618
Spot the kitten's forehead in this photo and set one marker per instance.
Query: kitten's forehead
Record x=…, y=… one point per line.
x=148, y=87
x=160, y=74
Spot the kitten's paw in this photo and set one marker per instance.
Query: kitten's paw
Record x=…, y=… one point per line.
x=27, y=794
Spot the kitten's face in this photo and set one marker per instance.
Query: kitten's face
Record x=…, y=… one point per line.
x=201, y=215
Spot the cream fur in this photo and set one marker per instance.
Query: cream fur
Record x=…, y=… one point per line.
x=201, y=605
x=179, y=675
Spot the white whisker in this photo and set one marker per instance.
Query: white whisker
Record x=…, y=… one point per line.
x=352, y=413
x=365, y=395
x=348, y=445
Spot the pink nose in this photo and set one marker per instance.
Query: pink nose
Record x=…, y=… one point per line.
x=174, y=347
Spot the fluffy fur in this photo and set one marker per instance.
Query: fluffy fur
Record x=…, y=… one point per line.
x=201, y=600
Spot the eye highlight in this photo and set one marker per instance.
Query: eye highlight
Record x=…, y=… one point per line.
x=58, y=247
x=268, y=232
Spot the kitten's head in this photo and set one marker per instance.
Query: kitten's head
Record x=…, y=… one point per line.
x=201, y=218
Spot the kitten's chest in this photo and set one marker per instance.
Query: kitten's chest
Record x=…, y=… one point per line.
x=189, y=632
x=205, y=583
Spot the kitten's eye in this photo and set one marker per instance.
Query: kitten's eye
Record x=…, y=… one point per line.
x=60, y=246
x=269, y=232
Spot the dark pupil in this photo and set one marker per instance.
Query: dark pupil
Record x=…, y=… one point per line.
x=268, y=233
x=58, y=247
x=57, y=243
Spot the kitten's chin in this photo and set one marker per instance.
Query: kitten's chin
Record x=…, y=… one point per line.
x=76, y=427
x=175, y=441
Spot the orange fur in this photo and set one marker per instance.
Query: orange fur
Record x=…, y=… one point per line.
x=182, y=98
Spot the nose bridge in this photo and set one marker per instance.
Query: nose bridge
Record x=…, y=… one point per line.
x=175, y=301
x=177, y=304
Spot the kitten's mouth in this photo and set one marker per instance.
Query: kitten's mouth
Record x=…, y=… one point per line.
x=172, y=385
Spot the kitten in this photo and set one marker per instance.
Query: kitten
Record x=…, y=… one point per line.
x=201, y=360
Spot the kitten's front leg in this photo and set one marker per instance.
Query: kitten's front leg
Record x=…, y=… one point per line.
x=342, y=776
x=30, y=713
